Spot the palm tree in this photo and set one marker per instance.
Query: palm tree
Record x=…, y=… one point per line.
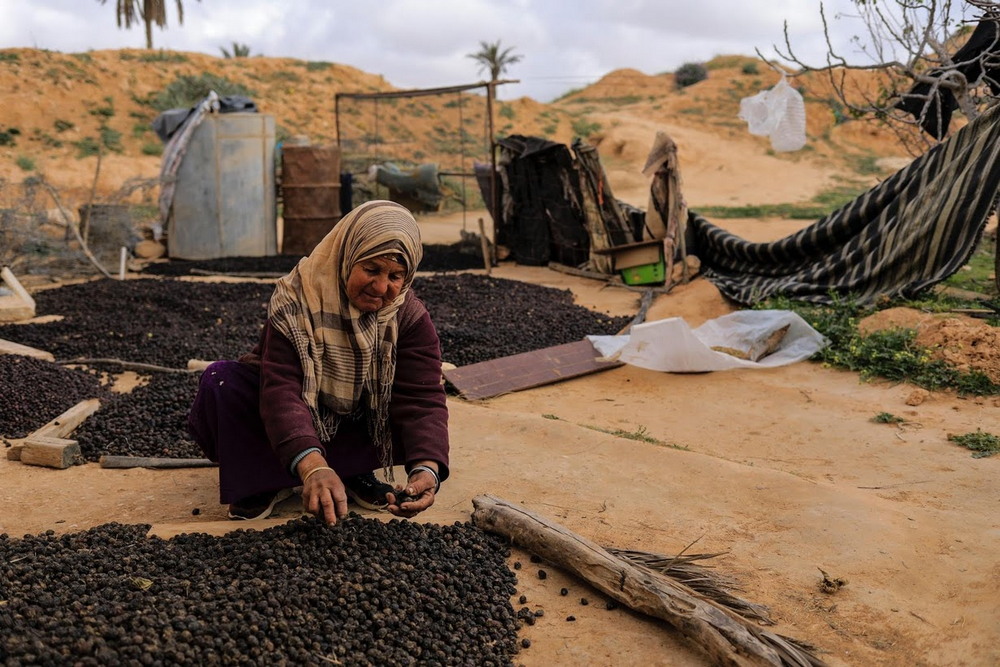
x=239, y=51
x=148, y=12
x=493, y=60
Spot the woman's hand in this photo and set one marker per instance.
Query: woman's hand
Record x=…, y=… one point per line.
x=420, y=488
x=323, y=493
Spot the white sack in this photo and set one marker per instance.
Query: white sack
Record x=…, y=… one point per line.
x=778, y=113
x=670, y=345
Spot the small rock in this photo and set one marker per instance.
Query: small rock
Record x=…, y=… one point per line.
x=917, y=396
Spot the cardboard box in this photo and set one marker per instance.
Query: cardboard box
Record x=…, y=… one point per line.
x=639, y=263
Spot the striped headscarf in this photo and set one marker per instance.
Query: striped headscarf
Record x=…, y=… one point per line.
x=347, y=354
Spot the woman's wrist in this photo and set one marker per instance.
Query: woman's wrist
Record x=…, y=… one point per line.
x=309, y=462
x=429, y=463
x=429, y=470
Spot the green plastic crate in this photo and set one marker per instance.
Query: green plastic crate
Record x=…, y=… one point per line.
x=645, y=274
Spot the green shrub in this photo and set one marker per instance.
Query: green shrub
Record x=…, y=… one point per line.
x=584, y=128
x=506, y=111
x=25, y=163
x=62, y=125
x=86, y=147
x=162, y=57
x=111, y=139
x=152, y=148
x=9, y=136
x=186, y=91
x=317, y=65
x=750, y=68
x=981, y=443
x=689, y=74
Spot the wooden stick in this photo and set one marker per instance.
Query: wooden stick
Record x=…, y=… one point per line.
x=109, y=461
x=127, y=365
x=76, y=232
x=487, y=257
x=725, y=636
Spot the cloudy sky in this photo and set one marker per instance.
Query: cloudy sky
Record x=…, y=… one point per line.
x=564, y=44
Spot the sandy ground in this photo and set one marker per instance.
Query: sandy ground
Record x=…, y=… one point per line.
x=782, y=469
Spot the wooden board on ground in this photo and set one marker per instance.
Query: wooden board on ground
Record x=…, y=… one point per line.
x=529, y=369
x=58, y=428
x=10, y=347
x=123, y=462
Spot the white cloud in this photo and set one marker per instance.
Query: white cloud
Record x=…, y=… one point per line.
x=565, y=44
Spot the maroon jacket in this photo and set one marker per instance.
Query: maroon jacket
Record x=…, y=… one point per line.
x=418, y=412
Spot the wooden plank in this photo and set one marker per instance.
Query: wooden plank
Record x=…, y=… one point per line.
x=66, y=423
x=529, y=369
x=60, y=427
x=50, y=452
x=12, y=309
x=110, y=461
x=10, y=347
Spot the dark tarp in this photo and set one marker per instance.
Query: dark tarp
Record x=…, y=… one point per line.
x=170, y=121
x=542, y=219
x=557, y=205
x=418, y=188
x=931, y=104
x=903, y=236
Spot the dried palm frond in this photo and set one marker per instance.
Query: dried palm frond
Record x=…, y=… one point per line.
x=683, y=569
x=719, y=588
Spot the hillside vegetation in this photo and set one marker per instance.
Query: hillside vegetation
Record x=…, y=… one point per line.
x=61, y=109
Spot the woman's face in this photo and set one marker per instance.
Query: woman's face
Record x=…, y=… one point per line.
x=375, y=283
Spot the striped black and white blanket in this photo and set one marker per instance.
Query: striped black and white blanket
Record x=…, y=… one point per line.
x=906, y=234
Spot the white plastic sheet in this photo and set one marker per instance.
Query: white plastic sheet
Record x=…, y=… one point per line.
x=670, y=345
x=778, y=113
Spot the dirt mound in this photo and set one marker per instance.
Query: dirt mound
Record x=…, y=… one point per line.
x=966, y=343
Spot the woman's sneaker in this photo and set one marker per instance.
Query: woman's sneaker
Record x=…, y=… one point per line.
x=366, y=490
x=258, y=506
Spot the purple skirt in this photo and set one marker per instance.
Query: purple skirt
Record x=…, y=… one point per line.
x=225, y=422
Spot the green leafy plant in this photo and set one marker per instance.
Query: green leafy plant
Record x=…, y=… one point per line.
x=62, y=125
x=890, y=354
x=25, y=163
x=152, y=148
x=981, y=443
x=887, y=418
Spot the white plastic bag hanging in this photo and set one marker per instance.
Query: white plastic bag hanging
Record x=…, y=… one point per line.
x=778, y=113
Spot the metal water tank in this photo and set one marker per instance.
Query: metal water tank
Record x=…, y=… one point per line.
x=224, y=202
x=310, y=194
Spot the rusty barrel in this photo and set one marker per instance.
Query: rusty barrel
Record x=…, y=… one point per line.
x=310, y=192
